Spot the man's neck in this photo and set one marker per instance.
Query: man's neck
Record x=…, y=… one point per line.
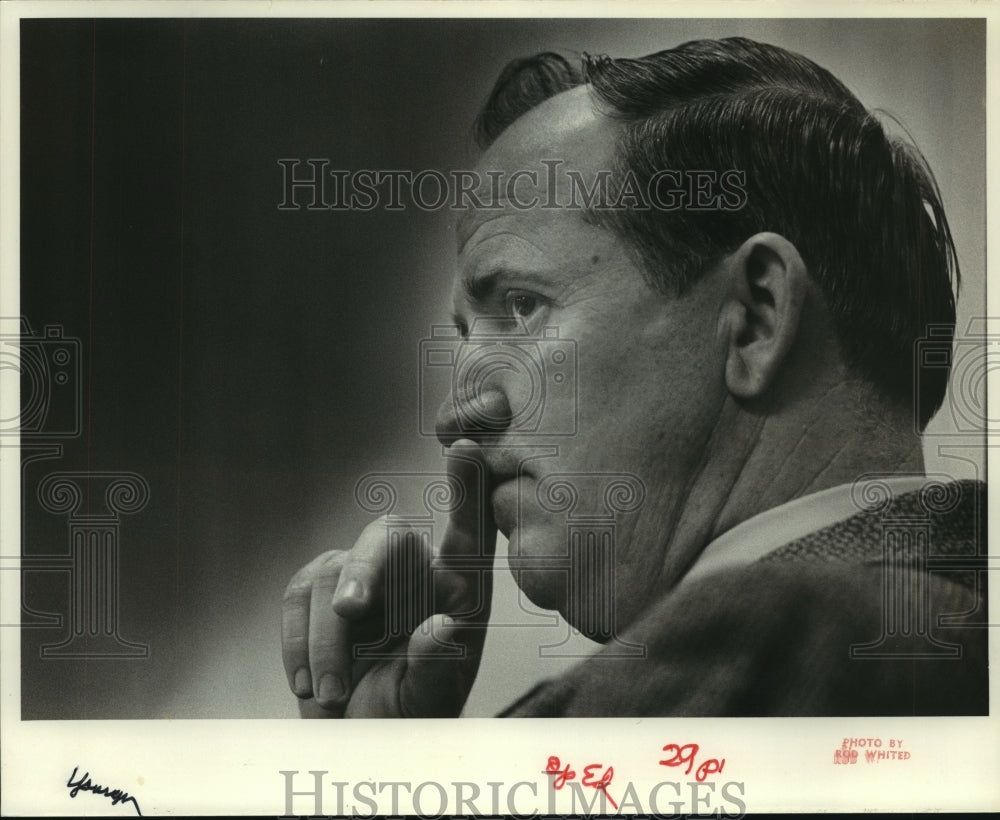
x=833, y=438
x=822, y=447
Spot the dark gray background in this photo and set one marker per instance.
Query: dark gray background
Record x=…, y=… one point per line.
x=252, y=364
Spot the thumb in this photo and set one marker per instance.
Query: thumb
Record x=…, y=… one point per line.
x=442, y=661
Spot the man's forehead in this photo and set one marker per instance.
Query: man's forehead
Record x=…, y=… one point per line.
x=569, y=123
x=564, y=136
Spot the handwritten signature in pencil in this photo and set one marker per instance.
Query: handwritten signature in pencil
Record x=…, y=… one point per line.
x=85, y=784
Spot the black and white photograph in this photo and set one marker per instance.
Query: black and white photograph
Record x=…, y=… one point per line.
x=360, y=363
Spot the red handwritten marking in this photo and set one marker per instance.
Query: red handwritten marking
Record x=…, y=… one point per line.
x=552, y=767
x=602, y=784
x=589, y=776
x=686, y=754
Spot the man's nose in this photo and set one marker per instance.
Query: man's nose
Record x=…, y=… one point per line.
x=478, y=416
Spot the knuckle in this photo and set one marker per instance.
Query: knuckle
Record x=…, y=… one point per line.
x=320, y=564
x=378, y=530
x=453, y=591
x=411, y=542
x=297, y=590
x=320, y=573
x=373, y=530
x=365, y=564
x=379, y=539
x=328, y=562
x=325, y=652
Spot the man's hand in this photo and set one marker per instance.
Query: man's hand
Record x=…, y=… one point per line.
x=344, y=599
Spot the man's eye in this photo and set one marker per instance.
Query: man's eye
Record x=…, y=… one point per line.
x=521, y=304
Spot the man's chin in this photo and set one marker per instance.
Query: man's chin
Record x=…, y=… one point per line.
x=540, y=568
x=544, y=588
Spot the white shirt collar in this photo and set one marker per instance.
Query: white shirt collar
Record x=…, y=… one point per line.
x=771, y=529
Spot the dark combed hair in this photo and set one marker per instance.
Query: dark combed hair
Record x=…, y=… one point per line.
x=861, y=207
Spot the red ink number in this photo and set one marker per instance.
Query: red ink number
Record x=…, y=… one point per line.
x=686, y=754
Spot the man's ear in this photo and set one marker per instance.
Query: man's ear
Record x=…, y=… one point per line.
x=768, y=286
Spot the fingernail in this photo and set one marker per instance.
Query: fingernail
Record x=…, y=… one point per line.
x=303, y=682
x=330, y=688
x=352, y=589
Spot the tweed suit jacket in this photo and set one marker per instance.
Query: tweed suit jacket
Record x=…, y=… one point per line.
x=874, y=615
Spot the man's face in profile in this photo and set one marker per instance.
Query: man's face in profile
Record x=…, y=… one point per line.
x=650, y=384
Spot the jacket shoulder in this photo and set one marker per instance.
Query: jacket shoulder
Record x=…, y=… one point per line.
x=781, y=638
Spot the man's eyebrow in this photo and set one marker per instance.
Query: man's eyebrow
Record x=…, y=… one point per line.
x=481, y=287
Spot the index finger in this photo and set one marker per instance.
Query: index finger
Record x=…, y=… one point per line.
x=471, y=531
